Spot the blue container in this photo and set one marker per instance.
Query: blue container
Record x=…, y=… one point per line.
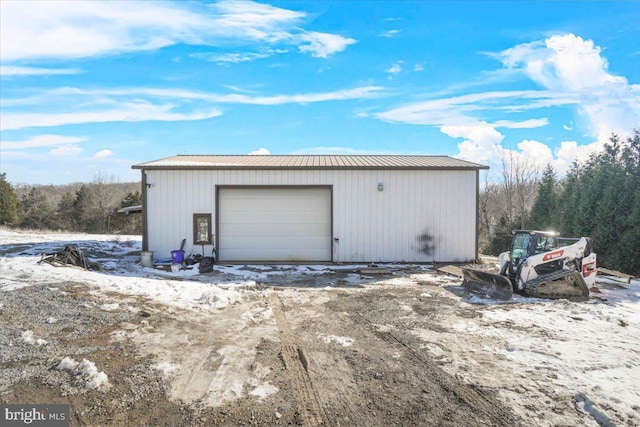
x=177, y=257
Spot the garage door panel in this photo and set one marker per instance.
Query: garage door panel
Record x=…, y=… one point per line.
x=274, y=224
x=275, y=217
x=264, y=243
x=277, y=230
x=275, y=255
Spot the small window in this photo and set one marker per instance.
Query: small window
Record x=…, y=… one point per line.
x=201, y=229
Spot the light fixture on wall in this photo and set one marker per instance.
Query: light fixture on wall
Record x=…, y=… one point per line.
x=150, y=185
x=380, y=186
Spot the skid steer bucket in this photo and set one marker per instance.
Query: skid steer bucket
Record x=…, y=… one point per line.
x=487, y=284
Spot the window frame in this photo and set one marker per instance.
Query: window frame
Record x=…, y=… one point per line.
x=197, y=217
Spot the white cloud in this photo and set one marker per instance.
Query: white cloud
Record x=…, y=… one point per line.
x=47, y=140
x=121, y=112
x=102, y=154
x=394, y=69
x=483, y=144
x=525, y=124
x=460, y=110
x=321, y=45
x=389, y=34
x=418, y=67
x=568, y=127
x=572, y=73
x=33, y=30
x=236, y=58
x=570, y=151
x=12, y=70
x=67, y=151
x=149, y=104
x=260, y=152
x=481, y=141
x=572, y=65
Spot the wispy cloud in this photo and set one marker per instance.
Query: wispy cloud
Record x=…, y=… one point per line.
x=236, y=58
x=572, y=65
x=394, y=69
x=465, y=109
x=120, y=112
x=571, y=71
x=418, y=67
x=12, y=70
x=103, y=154
x=321, y=45
x=33, y=30
x=524, y=124
x=67, y=151
x=389, y=34
x=149, y=104
x=48, y=140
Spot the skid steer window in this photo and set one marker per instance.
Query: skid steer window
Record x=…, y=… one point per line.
x=520, y=248
x=546, y=244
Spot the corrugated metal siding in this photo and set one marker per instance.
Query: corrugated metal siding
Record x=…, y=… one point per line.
x=371, y=226
x=310, y=162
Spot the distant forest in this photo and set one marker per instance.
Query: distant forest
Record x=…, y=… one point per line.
x=85, y=207
x=599, y=199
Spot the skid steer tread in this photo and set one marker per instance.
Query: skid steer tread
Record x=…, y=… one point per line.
x=558, y=285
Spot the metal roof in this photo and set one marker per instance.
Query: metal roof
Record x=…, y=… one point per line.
x=308, y=162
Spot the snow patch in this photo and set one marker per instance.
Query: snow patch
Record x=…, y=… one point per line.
x=85, y=372
x=343, y=341
x=264, y=390
x=110, y=307
x=27, y=336
x=216, y=297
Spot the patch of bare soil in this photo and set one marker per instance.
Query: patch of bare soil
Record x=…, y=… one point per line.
x=285, y=356
x=70, y=319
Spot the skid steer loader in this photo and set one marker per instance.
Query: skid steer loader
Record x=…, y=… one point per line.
x=538, y=264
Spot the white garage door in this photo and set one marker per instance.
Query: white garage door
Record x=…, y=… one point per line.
x=274, y=224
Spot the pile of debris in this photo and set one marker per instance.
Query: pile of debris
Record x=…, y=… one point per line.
x=69, y=256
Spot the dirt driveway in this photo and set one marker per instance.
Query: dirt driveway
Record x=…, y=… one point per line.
x=310, y=346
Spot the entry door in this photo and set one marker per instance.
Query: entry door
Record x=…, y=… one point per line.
x=274, y=224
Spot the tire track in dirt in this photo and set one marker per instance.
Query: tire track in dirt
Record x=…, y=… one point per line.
x=484, y=410
x=295, y=361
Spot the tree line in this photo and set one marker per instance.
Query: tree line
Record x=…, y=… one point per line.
x=84, y=207
x=599, y=198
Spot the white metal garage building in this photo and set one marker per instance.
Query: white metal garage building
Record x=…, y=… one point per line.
x=312, y=208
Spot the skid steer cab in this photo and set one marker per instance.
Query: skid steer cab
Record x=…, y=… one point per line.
x=539, y=264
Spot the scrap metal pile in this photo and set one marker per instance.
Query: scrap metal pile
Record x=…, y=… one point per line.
x=69, y=256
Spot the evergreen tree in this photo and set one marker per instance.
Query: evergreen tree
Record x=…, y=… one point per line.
x=66, y=215
x=602, y=200
x=544, y=215
x=128, y=223
x=36, y=212
x=9, y=202
x=85, y=213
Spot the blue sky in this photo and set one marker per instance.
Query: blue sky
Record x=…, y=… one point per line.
x=93, y=87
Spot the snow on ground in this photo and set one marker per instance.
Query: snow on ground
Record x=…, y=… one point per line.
x=552, y=351
x=117, y=256
x=532, y=351
x=84, y=372
x=27, y=336
x=343, y=341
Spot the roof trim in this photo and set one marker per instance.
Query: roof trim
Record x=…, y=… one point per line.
x=308, y=162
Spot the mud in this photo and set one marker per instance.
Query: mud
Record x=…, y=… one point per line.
x=279, y=357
